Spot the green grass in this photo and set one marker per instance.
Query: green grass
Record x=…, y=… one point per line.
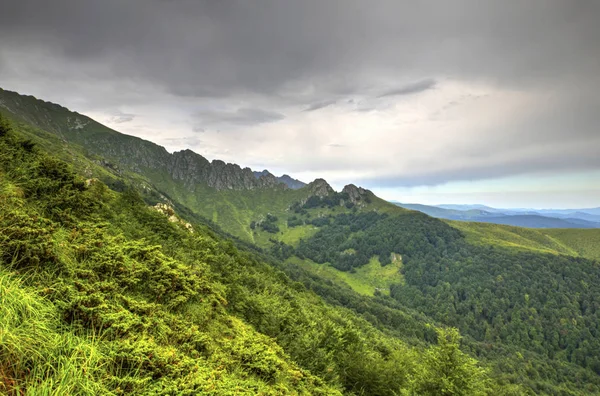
x=366, y=280
x=518, y=238
x=35, y=356
x=293, y=235
x=586, y=242
x=569, y=241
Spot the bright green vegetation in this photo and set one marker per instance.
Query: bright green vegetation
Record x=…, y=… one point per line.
x=367, y=280
x=573, y=242
x=585, y=242
x=102, y=295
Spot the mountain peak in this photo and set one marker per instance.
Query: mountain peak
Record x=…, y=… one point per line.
x=355, y=194
x=292, y=183
x=320, y=188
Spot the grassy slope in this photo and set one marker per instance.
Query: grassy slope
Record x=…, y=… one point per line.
x=506, y=236
x=586, y=242
x=366, y=280
x=102, y=295
x=570, y=241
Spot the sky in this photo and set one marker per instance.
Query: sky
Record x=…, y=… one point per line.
x=431, y=102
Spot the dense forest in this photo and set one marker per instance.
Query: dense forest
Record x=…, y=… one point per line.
x=544, y=303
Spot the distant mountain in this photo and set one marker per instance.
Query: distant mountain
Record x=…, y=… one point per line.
x=294, y=184
x=536, y=221
x=493, y=215
x=466, y=207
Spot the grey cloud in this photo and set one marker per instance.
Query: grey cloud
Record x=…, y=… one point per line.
x=239, y=117
x=311, y=54
x=120, y=118
x=208, y=48
x=583, y=158
x=409, y=89
x=320, y=105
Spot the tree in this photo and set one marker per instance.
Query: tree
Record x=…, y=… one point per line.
x=448, y=371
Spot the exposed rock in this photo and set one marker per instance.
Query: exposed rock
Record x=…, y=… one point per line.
x=269, y=180
x=320, y=188
x=92, y=181
x=168, y=211
x=294, y=184
x=164, y=209
x=355, y=194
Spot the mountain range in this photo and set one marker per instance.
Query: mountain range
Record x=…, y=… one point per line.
x=531, y=218
x=175, y=274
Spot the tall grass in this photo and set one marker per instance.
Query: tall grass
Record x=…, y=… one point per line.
x=36, y=358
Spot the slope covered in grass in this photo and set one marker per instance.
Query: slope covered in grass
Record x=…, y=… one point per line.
x=585, y=243
x=367, y=280
x=569, y=241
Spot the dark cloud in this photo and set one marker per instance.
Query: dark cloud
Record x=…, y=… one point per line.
x=120, y=118
x=255, y=63
x=409, y=89
x=217, y=48
x=320, y=105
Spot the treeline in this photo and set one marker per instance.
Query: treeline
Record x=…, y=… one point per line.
x=331, y=200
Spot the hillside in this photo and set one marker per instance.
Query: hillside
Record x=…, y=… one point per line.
x=210, y=189
x=105, y=295
x=524, y=300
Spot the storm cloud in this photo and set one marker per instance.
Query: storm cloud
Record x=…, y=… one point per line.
x=409, y=89
x=420, y=93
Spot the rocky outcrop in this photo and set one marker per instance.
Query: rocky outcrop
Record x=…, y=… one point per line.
x=320, y=188
x=294, y=184
x=172, y=216
x=356, y=194
x=192, y=169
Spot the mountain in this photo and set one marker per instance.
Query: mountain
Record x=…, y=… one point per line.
x=136, y=154
x=496, y=216
x=181, y=285
x=589, y=214
x=294, y=184
x=465, y=207
x=536, y=221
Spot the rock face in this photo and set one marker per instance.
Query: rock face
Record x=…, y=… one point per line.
x=130, y=152
x=192, y=169
x=320, y=188
x=356, y=194
x=294, y=184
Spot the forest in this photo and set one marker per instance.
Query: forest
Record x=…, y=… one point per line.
x=544, y=303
